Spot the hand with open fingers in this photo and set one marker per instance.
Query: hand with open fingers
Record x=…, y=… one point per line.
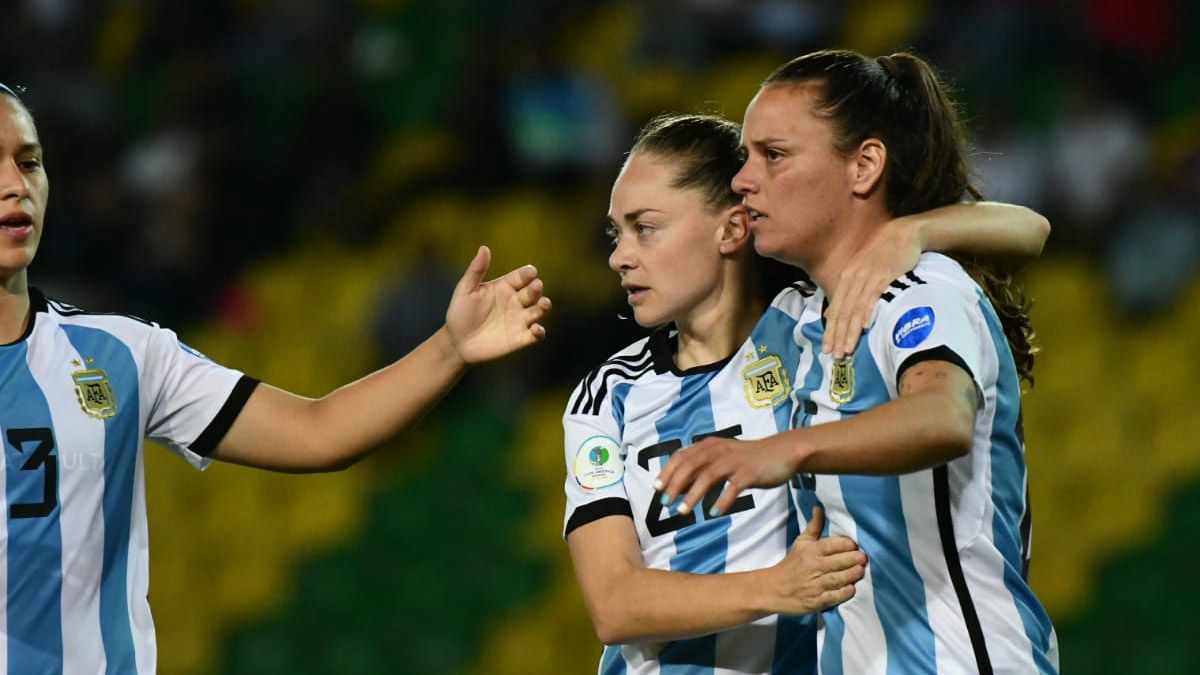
x=695, y=470
x=891, y=251
x=487, y=320
x=817, y=573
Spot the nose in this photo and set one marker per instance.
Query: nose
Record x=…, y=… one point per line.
x=13, y=184
x=622, y=258
x=743, y=181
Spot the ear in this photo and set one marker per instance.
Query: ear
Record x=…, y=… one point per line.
x=867, y=169
x=734, y=232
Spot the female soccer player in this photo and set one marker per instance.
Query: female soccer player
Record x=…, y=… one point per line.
x=721, y=363
x=79, y=391
x=913, y=445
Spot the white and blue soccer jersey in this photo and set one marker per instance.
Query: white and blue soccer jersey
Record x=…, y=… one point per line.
x=78, y=392
x=945, y=591
x=622, y=424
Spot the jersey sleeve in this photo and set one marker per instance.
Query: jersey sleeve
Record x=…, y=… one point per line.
x=595, y=483
x=193, y=401
x=927, y=322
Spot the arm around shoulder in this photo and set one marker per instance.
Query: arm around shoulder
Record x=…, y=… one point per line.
x=1008, y=234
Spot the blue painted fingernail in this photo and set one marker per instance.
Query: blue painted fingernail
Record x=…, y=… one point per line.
x=714, y=512
x=666, y=501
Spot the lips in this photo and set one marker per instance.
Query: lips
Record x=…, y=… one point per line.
x=16, y=225
x=635, y=293
x=755, y=214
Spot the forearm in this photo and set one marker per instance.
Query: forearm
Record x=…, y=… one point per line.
x=280, y=431
x=1006, y=233
x=648, y=605
x=359, y=416
x=910, y=433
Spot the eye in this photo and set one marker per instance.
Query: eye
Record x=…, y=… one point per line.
x=30, y=164
x=642, y=229
x=772, y=154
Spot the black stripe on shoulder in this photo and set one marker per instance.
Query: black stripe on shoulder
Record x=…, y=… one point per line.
x=207, y=441
x=586, y=393
x=939, y=353
x=591, y=394
x=904, y=283
x=941, y=499
x=805, y=288
x=65, y=309
x=603, y=508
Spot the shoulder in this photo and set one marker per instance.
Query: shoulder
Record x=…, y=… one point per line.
x=793, y=298
x=938, y=293
x=123, y=326
x=628, y=364
x=934, y=273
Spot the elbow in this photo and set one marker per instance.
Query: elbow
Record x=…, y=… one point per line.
x=1035, y=242
x=1042, y=227
x=958, y=444
x=609, y=635
x=611, y=627
x=956, y=436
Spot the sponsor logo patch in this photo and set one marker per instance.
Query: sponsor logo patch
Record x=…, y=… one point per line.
x=94, y=393
x=913, y=327
x=765, y=382
x=598, y=463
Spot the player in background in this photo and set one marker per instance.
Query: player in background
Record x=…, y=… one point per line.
x=666, y=587
x=913, y=445
x=79, y=391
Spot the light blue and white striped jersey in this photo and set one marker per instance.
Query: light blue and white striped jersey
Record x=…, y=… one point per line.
x=622, y=424
x=78, y=392
x=945, y=591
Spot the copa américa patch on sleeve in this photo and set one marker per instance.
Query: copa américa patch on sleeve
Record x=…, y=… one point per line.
x=598, y=463
x=913, y=327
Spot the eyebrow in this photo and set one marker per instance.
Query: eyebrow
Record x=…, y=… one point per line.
x=638, y=213
x=762, y=142
x=29, y=147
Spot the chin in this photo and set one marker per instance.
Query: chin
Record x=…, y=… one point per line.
x=766, y=247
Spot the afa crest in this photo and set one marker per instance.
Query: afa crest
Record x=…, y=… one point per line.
x=94, y=393
x=841, y=385
x=766, y=383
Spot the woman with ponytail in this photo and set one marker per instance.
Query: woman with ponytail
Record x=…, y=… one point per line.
x=912, y=442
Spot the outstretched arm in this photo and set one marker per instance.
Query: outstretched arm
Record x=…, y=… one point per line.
x=281, y=431
x=630, y=603
x=1006, y=234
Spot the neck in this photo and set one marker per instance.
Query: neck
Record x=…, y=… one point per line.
x=852, y=235
x=713, y=331
x=14, y=308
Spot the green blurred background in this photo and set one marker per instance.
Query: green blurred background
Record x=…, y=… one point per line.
x=295, y=185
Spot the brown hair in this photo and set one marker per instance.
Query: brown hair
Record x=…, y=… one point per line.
x=900, y=100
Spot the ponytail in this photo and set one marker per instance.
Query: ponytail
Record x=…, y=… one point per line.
x=901, y=101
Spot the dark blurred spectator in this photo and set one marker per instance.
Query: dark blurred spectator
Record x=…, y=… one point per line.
x=1098, y=160
x=1155, y=254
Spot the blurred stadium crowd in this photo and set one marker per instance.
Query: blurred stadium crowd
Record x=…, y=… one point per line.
x=220, y=165
x=190, y=138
